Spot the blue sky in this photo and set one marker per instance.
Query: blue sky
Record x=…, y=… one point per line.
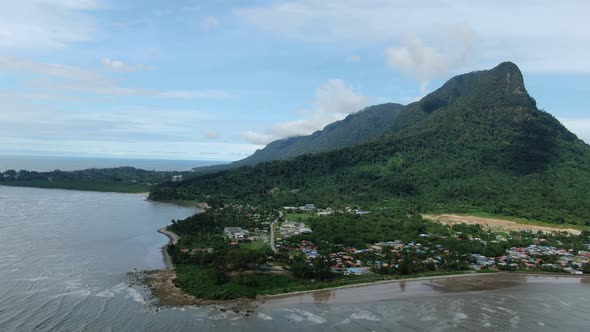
x=215, y=80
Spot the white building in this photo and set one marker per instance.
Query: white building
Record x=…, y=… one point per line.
x=235, y=232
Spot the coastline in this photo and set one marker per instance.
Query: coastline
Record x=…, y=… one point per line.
x=373, y=283
x=172, y=239
x=164, y=289
x=167, y=293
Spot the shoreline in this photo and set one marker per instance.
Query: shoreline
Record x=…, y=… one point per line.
x=372, y=283
x=172, y=239
x=167, y=293
x=263, y=298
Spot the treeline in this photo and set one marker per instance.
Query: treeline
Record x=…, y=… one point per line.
x=119, y=179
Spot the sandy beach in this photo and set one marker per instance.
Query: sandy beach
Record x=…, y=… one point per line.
x=173, y=239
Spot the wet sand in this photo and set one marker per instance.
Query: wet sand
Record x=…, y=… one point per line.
x=428, y=286
x=173, y=239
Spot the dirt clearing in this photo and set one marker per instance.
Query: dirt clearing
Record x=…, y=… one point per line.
x=494, y=224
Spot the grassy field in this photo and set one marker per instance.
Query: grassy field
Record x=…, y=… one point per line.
x=255, y=245
x=82, y=185
x=296, y=216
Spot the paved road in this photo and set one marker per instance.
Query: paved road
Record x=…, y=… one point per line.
x=272, y=232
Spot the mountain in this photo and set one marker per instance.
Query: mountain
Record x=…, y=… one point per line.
x=356, y=128
x=477, y=144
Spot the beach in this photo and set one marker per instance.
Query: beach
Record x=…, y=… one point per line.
x=173, y=239
x=416, y=287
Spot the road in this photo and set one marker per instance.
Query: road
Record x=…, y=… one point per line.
x=272, y=232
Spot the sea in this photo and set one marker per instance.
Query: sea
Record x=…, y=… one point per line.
x=51, y=163
x=65, y=256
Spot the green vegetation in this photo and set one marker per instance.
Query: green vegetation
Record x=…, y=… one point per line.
x=356, y=128
x=120, y=179
x=478, y=144
x=254, y=245
x=389, y=244
x=202, y=282
x=298, y=216
x=82, y=185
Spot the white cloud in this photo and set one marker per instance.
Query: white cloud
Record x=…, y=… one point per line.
x=46, y=23
x=18, y=65
x=580, y=127
x=256, y=138
x=425, y=63
x=75, y=79
x=353, y=58
x=333, y=101
x=540, y=36
x=118, y=65
x=209, y=23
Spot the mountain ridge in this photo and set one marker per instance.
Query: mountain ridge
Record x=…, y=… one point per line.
x=478, y=143
x=355, y=128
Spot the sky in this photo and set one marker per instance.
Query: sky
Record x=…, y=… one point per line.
x=216, y=80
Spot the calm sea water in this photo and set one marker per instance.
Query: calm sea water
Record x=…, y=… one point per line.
x=43, y=163
x=64, y=256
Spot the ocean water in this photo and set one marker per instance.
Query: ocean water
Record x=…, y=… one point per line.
x=64, y=256
x=45, y=163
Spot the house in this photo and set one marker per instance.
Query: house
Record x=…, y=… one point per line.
x=307, y=207
x=304, y=230
x=235, y=232
x=176, y=178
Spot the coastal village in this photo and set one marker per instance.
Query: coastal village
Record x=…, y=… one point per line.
x=393, y=256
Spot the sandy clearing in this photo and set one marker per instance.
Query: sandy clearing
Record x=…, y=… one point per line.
x=494, y=224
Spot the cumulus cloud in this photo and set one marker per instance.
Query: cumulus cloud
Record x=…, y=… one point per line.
x=256, y=138
x=46, y=23
x=333, y=101
x=424, y=62
x=118, y=65
x=209, y=23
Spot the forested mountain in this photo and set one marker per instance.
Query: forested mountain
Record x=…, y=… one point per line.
x=356, y=128
x=479, y=143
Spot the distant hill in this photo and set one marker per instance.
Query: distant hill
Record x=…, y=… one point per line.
x=477, y=144
x=356, y=128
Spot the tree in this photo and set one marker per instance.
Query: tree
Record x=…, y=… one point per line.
x=11, y=173
x=322, y=269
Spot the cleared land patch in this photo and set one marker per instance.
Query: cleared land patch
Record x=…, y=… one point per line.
x=495, y=224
